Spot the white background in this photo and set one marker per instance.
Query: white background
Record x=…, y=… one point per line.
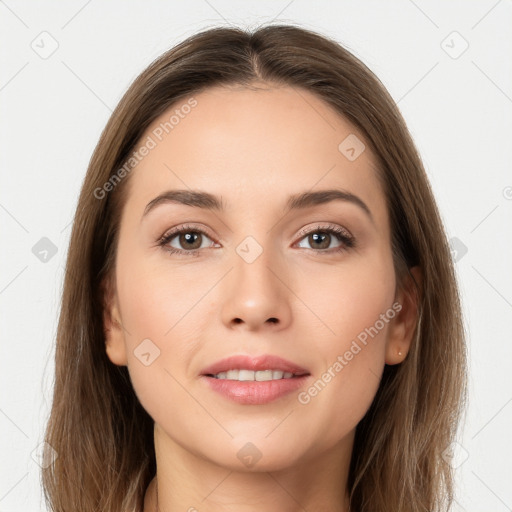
x=459, y=111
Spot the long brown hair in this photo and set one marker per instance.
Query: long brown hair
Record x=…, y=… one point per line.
x=102, y=435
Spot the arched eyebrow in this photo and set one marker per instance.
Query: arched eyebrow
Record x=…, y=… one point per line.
x=205, y=200
x=308, y=199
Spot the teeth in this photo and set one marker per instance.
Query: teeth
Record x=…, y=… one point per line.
x=245, y=375
x=263, y=375
x=260, y=376
x=232, y=375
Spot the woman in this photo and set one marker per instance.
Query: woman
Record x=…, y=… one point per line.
x=259, y=310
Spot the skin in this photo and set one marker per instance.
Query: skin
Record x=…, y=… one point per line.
x=255, y=147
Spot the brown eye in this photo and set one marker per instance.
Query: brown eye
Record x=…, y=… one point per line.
x=319, y=240
x=186, y=240
x=190, y=240
x=322, y=238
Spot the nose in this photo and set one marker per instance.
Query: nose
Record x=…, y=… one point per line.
x=255, y=295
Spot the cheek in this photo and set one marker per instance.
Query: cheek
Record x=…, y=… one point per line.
x=160, y=310
x=355, y=302
x=348, y=297
x=156, y=297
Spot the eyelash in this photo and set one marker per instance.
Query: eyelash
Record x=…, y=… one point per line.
x=348, y=241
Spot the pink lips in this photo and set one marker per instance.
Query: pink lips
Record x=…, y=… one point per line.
x=254, y=392
x=265, y=362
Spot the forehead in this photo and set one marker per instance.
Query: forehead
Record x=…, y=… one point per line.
x=264, y=142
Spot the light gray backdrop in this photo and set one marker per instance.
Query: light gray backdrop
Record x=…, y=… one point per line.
x=64, y=66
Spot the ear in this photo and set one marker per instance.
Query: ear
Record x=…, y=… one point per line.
x=402, y=326
x=112, y=326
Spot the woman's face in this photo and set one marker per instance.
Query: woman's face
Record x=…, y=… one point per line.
x=308, y=279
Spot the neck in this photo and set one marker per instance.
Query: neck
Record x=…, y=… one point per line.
x=190, y=483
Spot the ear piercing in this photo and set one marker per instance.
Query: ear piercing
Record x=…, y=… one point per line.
x=399, y=352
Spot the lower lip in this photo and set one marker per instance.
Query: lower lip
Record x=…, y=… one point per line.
x=255, y=392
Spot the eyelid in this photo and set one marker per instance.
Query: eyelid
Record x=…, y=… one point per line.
x=334, y=227
x=187, y=227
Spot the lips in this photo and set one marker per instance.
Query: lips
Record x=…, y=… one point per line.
x=258, y=363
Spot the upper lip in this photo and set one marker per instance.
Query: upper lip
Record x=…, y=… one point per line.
x=255, y=363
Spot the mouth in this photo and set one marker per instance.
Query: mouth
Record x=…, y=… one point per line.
x=254, y=380
x=259, y=376
x=259, y=368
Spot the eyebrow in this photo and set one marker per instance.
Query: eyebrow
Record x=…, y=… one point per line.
x=205, y=200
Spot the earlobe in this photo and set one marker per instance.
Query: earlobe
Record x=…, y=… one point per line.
x=113, y=330
x=403, y=326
